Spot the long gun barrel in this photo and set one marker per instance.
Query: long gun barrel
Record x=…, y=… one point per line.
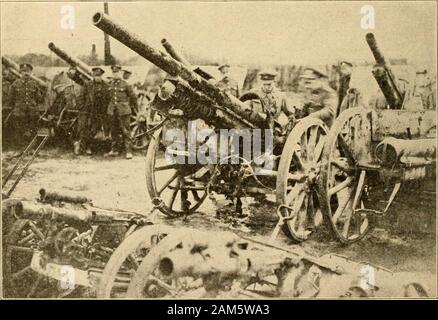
x=15, y=69
x=74, y=62
x=173, y=53
x=384, y=75
x=179, y=57
x=176, y=69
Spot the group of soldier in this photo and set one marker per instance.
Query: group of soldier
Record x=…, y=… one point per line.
x=103, y=104
x=109, y=103
x=316, y=97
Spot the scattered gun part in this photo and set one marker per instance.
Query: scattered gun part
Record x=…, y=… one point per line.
x=54, y=196
x=217, y=264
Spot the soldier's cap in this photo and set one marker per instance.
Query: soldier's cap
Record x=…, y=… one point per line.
x=98, y=71
x=126, y=71
x=116, y=67
x=267, y=75
x=312, y=73
x=346, y=63
x=26, y=66
x=225, y=65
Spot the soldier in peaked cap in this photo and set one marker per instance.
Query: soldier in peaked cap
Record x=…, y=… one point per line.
x=320, y=100
x=122, y=100
x=226, y=83
x=92, y=114
x=273, y=101
x=25, y=95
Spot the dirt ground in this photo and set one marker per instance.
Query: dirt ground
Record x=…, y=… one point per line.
x=120, y=183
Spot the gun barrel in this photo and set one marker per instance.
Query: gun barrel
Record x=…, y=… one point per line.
x=16, y=71
x=372, y=43
x=12, y=66
x=177, y=69
x=178, y=57
x=173, y=53
x=10, y=63
x=74, y=62
x=383, y=75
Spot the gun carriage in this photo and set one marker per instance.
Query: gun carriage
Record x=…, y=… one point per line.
x=188, y=94
x=317, y=171
x=370, y=151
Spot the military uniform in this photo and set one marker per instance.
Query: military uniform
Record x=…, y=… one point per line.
x=320, y=100
x=226, y=83
x=322, y=103
x=25, y=96
x=273, y=101
x=121, y=99
x=344, y=85
x=7, y=81
x=92, y=114
x=229, y=86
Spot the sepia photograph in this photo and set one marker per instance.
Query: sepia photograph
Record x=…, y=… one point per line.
x=238, y=150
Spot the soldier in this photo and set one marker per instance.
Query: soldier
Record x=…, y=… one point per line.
x=345, y=69
x=320, y=100
x=92, y=115
x=7, y=79
x=274, y=102
x=25, y=95
x=121, y=102
x=226, y=83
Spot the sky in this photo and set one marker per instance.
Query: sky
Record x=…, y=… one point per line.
x=239, y=32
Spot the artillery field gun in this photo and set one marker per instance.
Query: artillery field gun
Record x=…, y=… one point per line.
x=314, y=172
x=186, y=96
x=317, y=171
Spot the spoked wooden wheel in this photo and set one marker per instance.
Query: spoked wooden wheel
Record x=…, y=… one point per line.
x=299, y=167
x=139, y=128
x=176, y=189
x=126, y=258
x=346, y=158
x=155, y=276
x=20, y=281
